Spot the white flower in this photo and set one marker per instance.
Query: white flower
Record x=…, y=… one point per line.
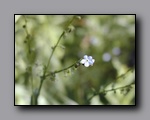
x=87, y=61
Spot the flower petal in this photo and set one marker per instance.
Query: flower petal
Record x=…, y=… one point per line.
x=90, y=57
x=93, y=60
x=82, y=61
x=86, y=64
x=85, y=57
x=90, y=62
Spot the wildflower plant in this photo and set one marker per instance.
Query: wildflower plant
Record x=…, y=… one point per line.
x=82, y=64
x=87, y=61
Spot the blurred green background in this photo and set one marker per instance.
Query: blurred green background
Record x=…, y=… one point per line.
x=109, y=39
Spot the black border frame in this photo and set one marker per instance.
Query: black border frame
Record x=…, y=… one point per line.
x=87, y=106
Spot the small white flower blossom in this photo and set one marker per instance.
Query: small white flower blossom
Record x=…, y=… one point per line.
x=87, y=61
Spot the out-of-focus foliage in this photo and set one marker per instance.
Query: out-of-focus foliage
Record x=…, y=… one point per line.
x=109, y=39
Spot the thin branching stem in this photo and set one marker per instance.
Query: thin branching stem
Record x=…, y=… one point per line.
x=29, y=51
x=124, y=73
x=58, y=71
x=114, y=89
x=28, y=37
x=53, y=50
x=63, y=33
x=64, y=68
x=126, y=86
x=25, y=26
x=110, y=90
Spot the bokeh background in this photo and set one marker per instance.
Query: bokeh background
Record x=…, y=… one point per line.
x=109, y=39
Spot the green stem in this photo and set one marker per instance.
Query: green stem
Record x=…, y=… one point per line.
x=57, y=44
x=124, y=73
x=64, y=69
x=28, y=37
x=41, y=83
x=25, y=26
x=32, y=102
x=58, y=71
x=63, y=33
x=53, y=51
x=117, y=88
x=44, y=76
x=114, y=89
